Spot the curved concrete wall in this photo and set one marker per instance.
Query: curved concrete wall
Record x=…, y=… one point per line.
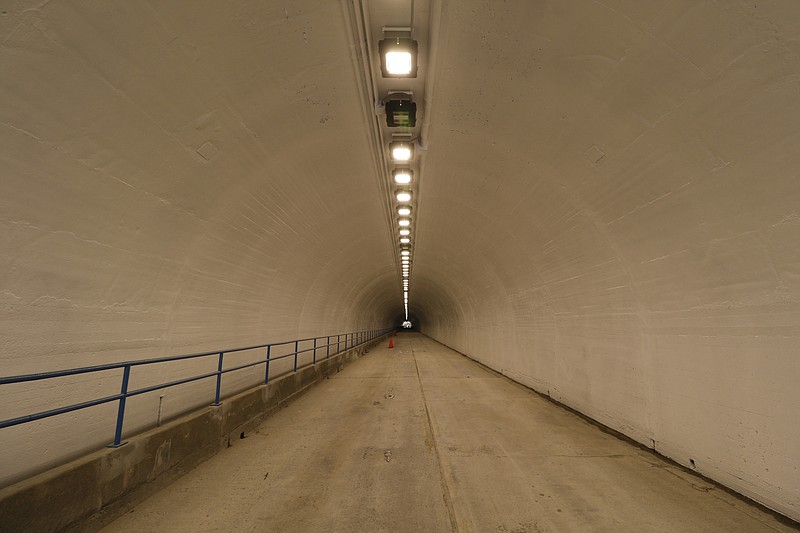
x=176, y=180
x=612, y=205
x=608, y=211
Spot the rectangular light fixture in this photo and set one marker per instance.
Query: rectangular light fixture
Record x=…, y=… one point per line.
x=398, y=57
x=401, y=151
x=401, y=113
x=402, y=176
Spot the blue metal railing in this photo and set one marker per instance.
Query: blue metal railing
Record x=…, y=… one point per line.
x=343, y=342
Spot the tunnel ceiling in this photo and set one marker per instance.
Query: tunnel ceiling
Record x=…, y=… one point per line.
x=607, y=202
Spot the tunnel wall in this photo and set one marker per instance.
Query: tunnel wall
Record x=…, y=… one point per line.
x=614, y=221
x=151, y=207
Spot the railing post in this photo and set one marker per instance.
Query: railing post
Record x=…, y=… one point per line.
x=315, y=350
x=266, y=373
x=328, y=347
x=219, y=379
x=338, y=343
x=296, y=347
x=126, y=375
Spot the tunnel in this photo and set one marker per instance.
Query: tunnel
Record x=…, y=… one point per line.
x=603, y=210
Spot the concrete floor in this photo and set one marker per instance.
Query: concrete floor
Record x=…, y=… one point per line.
x=420, y=438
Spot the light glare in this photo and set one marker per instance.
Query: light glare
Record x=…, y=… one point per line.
x=401, y=152
x=404, y=196
x=398, y=63
x=404, y=222
x=405, y=232
x=403, y=177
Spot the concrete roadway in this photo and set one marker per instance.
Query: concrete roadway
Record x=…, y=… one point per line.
x=420, y=438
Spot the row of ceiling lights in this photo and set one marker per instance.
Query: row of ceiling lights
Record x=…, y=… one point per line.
x=399, y=60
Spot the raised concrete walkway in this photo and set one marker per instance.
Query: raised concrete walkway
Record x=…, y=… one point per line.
x=420, y=438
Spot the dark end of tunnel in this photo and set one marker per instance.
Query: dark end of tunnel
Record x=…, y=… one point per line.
x=399, y=319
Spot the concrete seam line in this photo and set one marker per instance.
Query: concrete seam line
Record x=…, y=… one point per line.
x=451, y=512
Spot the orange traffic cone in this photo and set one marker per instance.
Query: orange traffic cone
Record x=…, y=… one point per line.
x=391, y=343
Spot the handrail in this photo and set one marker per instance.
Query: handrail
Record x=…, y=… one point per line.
x=350, y=340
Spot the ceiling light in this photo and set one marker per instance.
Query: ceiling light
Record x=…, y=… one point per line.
x=403, y=196
x=402, y=151
x=405, y=252
x=404, y=222
x=405, y=240
x=404, y=210
x=405, y=232
x=398, y=57
x=402, y=176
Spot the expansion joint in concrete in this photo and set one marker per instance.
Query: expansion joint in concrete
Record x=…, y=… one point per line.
x=451, y=512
